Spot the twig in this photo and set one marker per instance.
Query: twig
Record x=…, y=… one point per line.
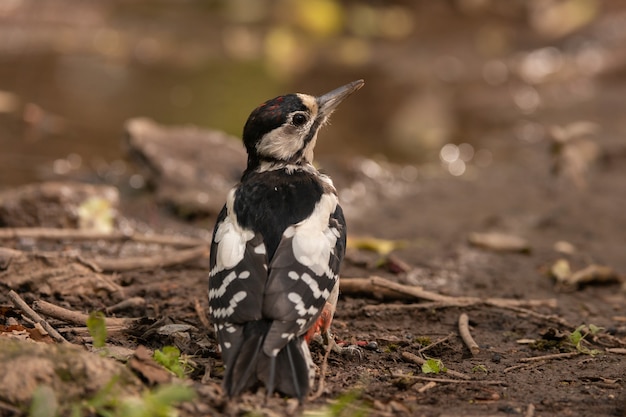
x=427, y=386
x=455, y=381
x=422, y=294
x=360, y=286
x=523, y=365
x=82, y=330
x=543, y=317
x=413, y=306
x=127, y=303
x=160, y=260
x=81, y=234
x=320, y=387
x=419, y=361
x=438, y=342
x=620, y=351
x=466, y=336
x=202, y=316
x=21, y=304
x=550, y=357
x=75, y=317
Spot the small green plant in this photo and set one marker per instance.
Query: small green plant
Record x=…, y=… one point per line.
x=159, y=402
x=433, y=366
x=347, y=404
x=480, y=368
x=108, y=402
x=423, y=340
x=96, y=325
x=171, y=359
x=577, y=337
x=44, y=402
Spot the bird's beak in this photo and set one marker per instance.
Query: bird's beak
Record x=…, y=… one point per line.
x=328, y=102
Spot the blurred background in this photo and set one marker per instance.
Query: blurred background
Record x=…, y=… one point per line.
x=451, y=86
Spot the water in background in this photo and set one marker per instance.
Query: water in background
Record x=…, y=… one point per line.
x=451, y=84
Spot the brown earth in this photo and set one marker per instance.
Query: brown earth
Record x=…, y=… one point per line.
x=434, y=215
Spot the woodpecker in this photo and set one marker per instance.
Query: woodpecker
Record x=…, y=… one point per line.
x=277, y=247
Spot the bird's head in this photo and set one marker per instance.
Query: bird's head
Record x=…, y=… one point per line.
x=284, y=129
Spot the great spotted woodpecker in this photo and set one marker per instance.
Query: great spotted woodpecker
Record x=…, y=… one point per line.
x=277, y=247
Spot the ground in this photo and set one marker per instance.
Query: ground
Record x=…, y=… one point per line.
x=428, y=219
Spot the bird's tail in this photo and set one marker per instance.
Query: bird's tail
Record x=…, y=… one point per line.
x=289, y=372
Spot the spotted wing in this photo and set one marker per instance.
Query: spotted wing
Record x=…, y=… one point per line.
x=302, y=275
x=238, y=276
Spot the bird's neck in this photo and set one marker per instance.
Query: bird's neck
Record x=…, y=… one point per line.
x=256, y=165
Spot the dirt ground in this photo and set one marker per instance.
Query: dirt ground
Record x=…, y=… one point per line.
x=433, y=215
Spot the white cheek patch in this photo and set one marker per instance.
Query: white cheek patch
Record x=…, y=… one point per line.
x=281, y=143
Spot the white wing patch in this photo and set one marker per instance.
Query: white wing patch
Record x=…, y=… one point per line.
x=313, y=241
x=231, y=239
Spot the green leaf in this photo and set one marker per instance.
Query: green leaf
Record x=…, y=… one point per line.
x=97, y=328
x=169, y=358
x=433, y=366
x=593, y=329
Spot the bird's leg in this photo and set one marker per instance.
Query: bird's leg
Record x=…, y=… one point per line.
x=320, y=332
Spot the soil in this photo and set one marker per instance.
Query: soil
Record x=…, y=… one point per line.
x=432, y=216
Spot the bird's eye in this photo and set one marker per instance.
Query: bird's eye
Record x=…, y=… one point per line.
x=299, y=119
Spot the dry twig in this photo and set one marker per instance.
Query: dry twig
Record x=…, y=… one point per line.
x=359, y=286
x=427, y=386
x=550, y=357
x=466, y=335
x=160, y=260
x=450, y=301
x=21, y=304
x=438, y=342
x=82, y=234
x=455, y=381
x=76, y=317
x=320, y=387
x=202, y=316
x=374, y=285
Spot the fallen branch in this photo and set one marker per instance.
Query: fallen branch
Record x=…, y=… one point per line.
x=450, y=301
x=365, y=286
x=83, y=234
x=408, y=356
x=550, y=357
x=620, y=351
x=455, y=381
x=21, y=304
x=84, y=331
x=76, y=317
x=160, y=260
x=466, y=335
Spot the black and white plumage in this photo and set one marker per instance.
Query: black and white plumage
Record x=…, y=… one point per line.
x=277, y=248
